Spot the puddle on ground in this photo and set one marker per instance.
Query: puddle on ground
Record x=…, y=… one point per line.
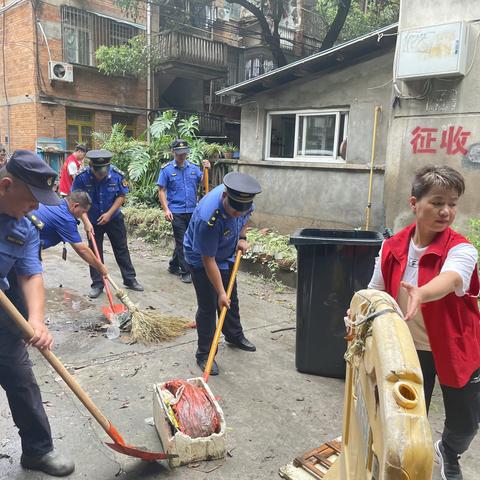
x=65, y=300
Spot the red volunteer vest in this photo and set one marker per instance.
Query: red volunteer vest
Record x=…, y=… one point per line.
x=66, y=180
x=452, y=323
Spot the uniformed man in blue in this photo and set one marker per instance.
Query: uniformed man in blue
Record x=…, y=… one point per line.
x=216, y=231
x=60, y=224
x=177, y=192
x=24, y=181
x=107, y=188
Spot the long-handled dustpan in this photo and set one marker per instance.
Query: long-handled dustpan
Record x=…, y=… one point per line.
x=113, y=309
x=118, y=444
x=221, y=319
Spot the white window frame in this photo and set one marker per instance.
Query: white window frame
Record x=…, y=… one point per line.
x=335, y=158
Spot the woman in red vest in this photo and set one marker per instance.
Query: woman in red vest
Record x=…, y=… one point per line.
x=432, y=272
x=70, y=168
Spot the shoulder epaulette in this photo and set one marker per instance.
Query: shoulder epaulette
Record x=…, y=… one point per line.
x=37, y=223
x=213, y=218
x=116, y=169
x=82, y=170
x=165, y=165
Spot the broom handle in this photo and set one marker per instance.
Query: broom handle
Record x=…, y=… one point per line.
x=221, y=319
x=205, y=180
x=28, y=334
x=107, y=288
x=114, y=285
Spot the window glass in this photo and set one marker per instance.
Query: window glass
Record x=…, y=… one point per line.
x=316, y=135
x=80, y=125
x=282, y=136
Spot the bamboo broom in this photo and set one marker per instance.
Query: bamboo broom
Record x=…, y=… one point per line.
x=150, y=326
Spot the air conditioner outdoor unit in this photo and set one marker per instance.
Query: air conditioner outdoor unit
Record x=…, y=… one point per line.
x=63, y=72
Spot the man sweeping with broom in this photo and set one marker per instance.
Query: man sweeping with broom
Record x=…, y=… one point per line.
x=25, y=181
x=217, y=229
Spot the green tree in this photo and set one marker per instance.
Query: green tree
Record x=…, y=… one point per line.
x=267, y=12
x=340, y=19
x=362, y=17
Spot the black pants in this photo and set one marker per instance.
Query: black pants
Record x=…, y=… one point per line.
x=179, y=225
x=208, y=308
x=462, y=407
x=117, y=234
x=19, y=383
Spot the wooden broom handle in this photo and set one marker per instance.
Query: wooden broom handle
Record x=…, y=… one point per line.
x=206, y=185
x=221, y=319
x=28, y=333
x=107, y=288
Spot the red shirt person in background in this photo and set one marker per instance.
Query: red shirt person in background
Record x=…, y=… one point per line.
x=72, y=165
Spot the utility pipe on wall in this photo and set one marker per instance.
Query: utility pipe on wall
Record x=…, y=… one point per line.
x=149, y=63
x=372, y=160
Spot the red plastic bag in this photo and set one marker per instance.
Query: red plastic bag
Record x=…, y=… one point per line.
x=194, y=410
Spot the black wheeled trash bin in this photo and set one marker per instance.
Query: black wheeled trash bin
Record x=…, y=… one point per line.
x=332, y=265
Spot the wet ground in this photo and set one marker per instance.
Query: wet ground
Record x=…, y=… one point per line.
x=273, y=412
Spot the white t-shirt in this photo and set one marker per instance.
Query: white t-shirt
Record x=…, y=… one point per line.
x=461, y=258
x=72, y=169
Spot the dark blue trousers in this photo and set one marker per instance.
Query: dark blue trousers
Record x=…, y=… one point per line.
x=207, y=310
x=19, y=383
x=179, y=226
x=117, y=234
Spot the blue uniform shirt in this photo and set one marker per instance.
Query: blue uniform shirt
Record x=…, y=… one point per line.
x=59, y=225
x=103, y=193
x=181, y=185
x=19, y=248
x=212, y=234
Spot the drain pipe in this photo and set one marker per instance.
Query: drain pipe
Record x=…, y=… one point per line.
x=372, y=160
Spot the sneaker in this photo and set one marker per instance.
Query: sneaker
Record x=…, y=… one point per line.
x=449, y=469
x=174, y=271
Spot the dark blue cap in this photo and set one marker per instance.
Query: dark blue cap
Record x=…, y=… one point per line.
x=99, y=158
x=36, y=174
x=241, y=190
x=180, y=146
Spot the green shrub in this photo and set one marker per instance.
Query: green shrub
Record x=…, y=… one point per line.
x=474, y=233
x=267, y=247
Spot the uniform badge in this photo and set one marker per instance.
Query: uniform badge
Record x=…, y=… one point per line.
x=226, y=232
x=174, y=174
x=15, y=240
x=125, y=182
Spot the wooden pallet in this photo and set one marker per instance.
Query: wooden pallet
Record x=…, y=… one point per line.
x=319, y=460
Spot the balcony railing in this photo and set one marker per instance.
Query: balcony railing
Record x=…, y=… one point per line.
x=181, y=47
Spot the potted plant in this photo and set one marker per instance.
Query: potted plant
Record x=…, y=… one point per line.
x=228, y=150
x=213, y=151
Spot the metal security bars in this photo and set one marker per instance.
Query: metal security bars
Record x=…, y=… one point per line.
x=83, y=32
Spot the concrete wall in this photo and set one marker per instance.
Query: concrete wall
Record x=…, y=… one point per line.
x=451, y=109
x=327, y=195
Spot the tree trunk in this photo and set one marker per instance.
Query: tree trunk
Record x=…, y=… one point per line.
x=337, y=24
x=272, y=40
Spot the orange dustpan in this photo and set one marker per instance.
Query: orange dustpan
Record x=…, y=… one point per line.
x=118, y=444
x=114, y=309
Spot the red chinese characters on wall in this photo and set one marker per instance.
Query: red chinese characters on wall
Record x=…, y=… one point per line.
x=427, y=140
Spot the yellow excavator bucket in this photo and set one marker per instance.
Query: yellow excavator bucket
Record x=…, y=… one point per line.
x=386, y=434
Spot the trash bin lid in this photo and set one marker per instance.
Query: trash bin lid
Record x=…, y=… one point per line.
x=318, y=236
